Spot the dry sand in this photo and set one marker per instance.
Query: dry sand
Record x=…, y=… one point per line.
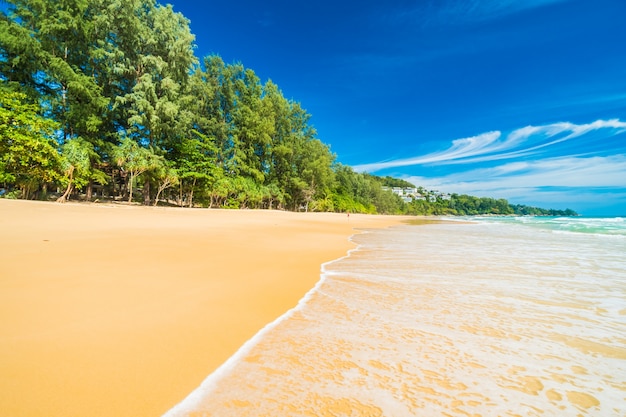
x=122, y=311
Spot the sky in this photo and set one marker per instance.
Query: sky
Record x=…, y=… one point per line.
x=516, y=99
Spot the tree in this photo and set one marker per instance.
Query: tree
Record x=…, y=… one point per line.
x=253, y=128
x=76, y=162
x=215, y=103
x=134, y=160
x=315, y=172
x=20, y=51
x=196, y=163
x=159, y=57
x=274, y=195
x=65, y=70
x=154, y=65
x=28, y=156
x=388, y=181
x=167, y=177
x=299, y=164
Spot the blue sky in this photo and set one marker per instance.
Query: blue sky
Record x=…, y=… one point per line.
x=516, y=99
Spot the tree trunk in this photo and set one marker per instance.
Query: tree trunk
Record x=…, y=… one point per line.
x=156, y=199
x=130, y=187
x=89, y=190
x=123, y=185
x=70, y=185
x=191, y=193
x=113, y=182
x=146, y=192
x=66, y=194
x=162, y=187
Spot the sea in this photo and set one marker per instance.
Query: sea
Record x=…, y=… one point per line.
x=481, y=316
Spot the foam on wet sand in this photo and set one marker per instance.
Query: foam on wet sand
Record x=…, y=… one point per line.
x=450, y=320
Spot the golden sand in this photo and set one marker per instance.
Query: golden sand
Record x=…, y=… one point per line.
x=122, y=311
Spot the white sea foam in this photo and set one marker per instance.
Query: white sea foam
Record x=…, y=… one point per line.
x=488, y=319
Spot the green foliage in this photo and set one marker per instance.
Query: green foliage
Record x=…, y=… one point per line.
x=28, y=156
x=522, y=210
x=466, y=205
x=364, y=193
x=160, y=51
x=394, y=182
x=134, y=160
x=195, y=164
x=76, y=165
x=166, y=176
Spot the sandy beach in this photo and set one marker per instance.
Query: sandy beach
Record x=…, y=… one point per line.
x=120, y=311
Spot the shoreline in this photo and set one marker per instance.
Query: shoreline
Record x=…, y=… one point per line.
x=195, y=398
x=125, y=310
x=405, y=325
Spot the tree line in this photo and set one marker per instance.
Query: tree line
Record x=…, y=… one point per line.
x=112, y=101
x=106, y=99
x=467, y=205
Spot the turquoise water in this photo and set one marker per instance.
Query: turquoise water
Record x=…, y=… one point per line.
x=498, y=317
x=610, y=226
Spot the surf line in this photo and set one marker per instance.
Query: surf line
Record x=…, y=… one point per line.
x=194, y=399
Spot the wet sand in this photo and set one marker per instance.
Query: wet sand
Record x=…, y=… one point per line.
x=478, y=319
x=122, y=311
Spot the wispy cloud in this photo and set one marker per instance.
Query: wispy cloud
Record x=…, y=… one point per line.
x=572, y=172
x=461, y=148
x=493, y=146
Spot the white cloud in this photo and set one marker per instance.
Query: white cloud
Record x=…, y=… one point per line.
x=552, y=130
x=552, y=172
x=565, y=127
x=488, y=146
x=461, y=148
